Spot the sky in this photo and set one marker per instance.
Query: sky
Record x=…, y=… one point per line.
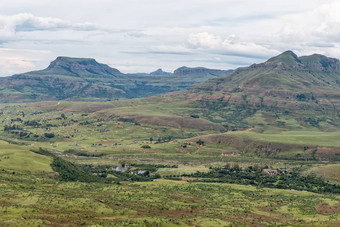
x=144, y=35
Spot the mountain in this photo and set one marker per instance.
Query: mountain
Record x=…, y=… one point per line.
x=160, y=72
x=86, y=79
x=286, y=90
x=79, y=67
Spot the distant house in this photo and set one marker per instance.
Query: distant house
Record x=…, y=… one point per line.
x=270, y=171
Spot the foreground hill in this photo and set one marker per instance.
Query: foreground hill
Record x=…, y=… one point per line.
x=86, y=79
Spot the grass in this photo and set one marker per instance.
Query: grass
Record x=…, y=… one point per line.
x=329, y=172
x=19, y=158
x=162, y=202
x=31, y=199
x=296, y=137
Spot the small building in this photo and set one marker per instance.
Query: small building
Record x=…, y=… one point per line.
x=270, y=171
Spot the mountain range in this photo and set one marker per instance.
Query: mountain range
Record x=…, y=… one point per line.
x=305, y=89
x=85, y=79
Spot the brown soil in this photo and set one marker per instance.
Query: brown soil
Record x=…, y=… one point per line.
x=328, y=210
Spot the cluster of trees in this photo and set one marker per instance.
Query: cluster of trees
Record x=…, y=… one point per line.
x=11, y=128
x=16, y=119
x=32, y=123
x=18, y=131
x=135, y=172
x=128, y=176
x=83, y=153
x=68, y=171
x=152, y=168
x=163, y=139
x=313, y=122
x=49, y=135
x=255, y=176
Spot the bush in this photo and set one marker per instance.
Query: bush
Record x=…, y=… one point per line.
x=146, y=147
x=194, y=116
x=49, y=135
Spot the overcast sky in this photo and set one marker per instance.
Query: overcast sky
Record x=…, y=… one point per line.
x=143, y=35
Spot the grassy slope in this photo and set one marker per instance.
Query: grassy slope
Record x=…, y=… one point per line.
x=297, y=137
x=164, y=203
x=330, y=172
x=19, y=158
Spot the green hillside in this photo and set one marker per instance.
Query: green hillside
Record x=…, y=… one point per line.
x=258, y=147
x=19, y=158
x=284, y=88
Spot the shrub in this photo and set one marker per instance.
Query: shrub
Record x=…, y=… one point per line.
x=49, y=135
x=146, y=147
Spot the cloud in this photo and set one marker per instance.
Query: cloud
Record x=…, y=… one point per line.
x=145, y=35
x=13, y=61
x=228, y=46
x=10, y=25
x=167, y=49
x=205, y=40
x=316, y=30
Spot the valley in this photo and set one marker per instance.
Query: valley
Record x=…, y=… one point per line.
x=257, y=147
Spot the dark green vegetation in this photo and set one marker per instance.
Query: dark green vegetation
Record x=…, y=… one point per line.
x=257, y=147
x=86, y=79
x=261, y=177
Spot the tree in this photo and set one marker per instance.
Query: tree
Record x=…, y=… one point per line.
x=200, y=142
x=49, y=135
x=146, y=147
x=63, y=116
x=236, y=166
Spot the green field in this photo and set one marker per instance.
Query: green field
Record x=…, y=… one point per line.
x=30, y=201
x=330, y=172
x=19, y=158
x=73, y=180
x=297, y=137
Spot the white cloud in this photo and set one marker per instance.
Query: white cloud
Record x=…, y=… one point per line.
x=205, y=40
x=10, y=25
x=145, y=35
x=229, y=46
x=13, y=61
x=316, y=30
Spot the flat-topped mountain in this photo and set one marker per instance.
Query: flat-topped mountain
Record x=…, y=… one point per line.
x=80, y=67
x=182, y=71
x=86, y=79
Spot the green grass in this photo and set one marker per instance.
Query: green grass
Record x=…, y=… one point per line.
x=34, y=199
x=19, y=158
x=162, y=202
x=329, y=172
x=296, y=137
